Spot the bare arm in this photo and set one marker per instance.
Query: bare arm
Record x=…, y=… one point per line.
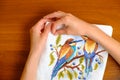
x=72, y=25
x=75, y=26
x=110, y=44
x=38, y=40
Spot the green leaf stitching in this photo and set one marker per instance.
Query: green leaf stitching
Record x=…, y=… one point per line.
x=75, y=74
x=70, y=76
x=52, y=59
x=58, y=39
x=95, y=66
x=60, y=74
x=82, y=67
x=81, y=60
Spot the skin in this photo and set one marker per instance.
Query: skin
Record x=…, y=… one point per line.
x=38, y=40
x=72, y=25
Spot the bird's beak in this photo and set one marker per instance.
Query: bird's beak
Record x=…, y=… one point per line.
x=76, y=41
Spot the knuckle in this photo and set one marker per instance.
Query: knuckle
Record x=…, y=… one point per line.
x=67, y=17
x=59, y=11
x=32, y=29
x=69, y=14
x=63, y=20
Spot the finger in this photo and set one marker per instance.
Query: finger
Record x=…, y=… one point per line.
x=57, y=24
x=40, y=24
x=57, y=14
x=61, y=31
x=47, y=29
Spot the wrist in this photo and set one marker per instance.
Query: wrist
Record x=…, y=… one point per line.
x=94, y=33
x=88, y=30
x=35, y=51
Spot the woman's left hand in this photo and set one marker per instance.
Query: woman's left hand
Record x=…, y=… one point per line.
x=38, y=36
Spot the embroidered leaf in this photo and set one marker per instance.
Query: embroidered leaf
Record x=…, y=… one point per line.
x=82, y=67
x=95, y=66
x=52, y=59
x=58, y=39
x=81, y=60
x=59, y=45
x=75, y=74
x=70, y=76
x=60, y=74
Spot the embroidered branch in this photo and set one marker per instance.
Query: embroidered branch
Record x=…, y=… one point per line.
x=77, y=57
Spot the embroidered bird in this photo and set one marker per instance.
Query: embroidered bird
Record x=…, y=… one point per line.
x=90, y=47
x=66, y=54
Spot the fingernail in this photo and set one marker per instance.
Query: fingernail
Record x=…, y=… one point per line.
x=60, y=26
x=47, y=23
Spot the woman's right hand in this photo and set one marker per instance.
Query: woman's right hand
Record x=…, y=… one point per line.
x=75, y=26
x=72, y=24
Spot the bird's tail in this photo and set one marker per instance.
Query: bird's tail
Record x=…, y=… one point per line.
x=51, y=78
x=88, y=66
x=57, y=67
x=54, y=73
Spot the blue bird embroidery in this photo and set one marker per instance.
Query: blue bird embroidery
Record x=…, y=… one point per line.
x=90, y=47
x=66, y=53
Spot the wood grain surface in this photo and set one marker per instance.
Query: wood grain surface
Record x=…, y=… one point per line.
x=18, y=16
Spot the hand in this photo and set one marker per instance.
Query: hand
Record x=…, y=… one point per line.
x=72, y=25
x=38, y=34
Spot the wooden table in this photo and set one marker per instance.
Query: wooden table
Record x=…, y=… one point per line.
x=17, y=16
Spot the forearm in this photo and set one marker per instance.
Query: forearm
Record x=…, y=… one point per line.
x=38, y=38
x=30, y=69
x=75, y=26
x=111, y=45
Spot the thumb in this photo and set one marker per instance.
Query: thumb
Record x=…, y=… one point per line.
x=47, y=29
